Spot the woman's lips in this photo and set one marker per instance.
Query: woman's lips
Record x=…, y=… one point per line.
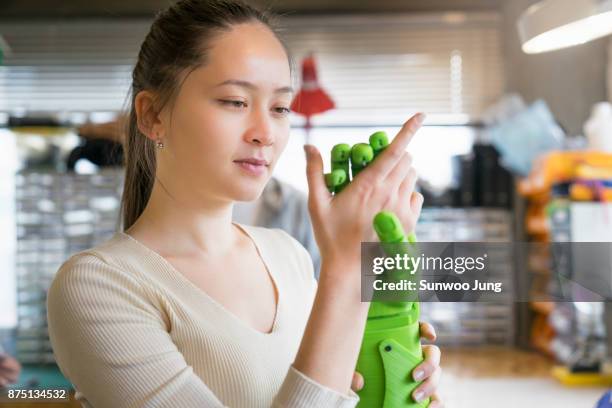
x=252, y=168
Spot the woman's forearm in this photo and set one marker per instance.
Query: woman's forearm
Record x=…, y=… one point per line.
x=332, y=338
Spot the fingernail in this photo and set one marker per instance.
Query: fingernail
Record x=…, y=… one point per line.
x=420, y=118
x=418, y=396
x=418, y=375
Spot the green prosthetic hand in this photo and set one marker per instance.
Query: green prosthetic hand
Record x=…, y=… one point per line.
x=391, y=346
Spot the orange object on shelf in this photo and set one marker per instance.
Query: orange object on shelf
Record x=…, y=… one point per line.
x=584, y=192
x=580, y=192
x=565, y=166
x=536, y=221
x=588, y=174
x=543, y=307
x=588, y=171
x=542, y=334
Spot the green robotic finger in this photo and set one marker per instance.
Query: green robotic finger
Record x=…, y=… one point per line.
x=340, y=156
x=378, y=141
x=358, y=157
x=361, y=155
x=391, y=346
x=335, y=179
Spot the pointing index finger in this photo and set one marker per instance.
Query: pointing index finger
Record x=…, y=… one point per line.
x=393, y=153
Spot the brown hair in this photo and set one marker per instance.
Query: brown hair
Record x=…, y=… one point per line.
x=177, y=41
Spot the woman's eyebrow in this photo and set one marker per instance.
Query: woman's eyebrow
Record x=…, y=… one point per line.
x=249, y=85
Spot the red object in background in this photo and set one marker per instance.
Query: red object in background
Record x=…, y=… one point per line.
x=311, y=98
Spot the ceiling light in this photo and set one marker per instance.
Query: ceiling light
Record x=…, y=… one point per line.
x=555, y=24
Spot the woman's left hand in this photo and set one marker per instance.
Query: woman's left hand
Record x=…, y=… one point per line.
x=9, y=370
x=428, y=371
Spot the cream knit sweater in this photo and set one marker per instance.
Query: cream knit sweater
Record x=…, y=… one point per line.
x=129, y=330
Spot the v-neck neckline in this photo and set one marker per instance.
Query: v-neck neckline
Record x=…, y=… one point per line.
x=193, y=286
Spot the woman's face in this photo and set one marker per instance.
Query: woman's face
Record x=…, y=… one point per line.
x=234, y=108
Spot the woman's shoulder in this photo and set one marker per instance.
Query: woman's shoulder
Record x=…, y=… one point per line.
x=106, y=261
x=106, y=252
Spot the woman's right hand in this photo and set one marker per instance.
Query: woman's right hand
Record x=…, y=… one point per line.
x=342, y=222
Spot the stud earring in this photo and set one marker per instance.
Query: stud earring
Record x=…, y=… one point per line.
x=160, y=144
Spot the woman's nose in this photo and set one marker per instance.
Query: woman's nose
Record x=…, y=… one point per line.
x=260, y=131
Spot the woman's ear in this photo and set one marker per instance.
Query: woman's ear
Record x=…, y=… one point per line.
x=148, y=119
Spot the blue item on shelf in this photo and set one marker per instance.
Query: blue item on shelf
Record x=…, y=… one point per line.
x=525, y=136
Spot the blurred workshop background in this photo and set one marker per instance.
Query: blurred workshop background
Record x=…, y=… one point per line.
x=517, y=147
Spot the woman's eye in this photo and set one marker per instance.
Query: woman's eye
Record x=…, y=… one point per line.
x=235, y=104
x=283, y=110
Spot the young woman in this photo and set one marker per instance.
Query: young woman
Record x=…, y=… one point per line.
x=184, y=308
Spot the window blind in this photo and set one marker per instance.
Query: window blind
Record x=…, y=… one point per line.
x=377, y=68
x=380, y=69
x=72, y=66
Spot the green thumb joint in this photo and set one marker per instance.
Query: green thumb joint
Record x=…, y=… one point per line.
x=388, y=227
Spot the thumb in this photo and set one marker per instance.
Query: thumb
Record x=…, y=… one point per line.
x=357, y=381
x=317, y=190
